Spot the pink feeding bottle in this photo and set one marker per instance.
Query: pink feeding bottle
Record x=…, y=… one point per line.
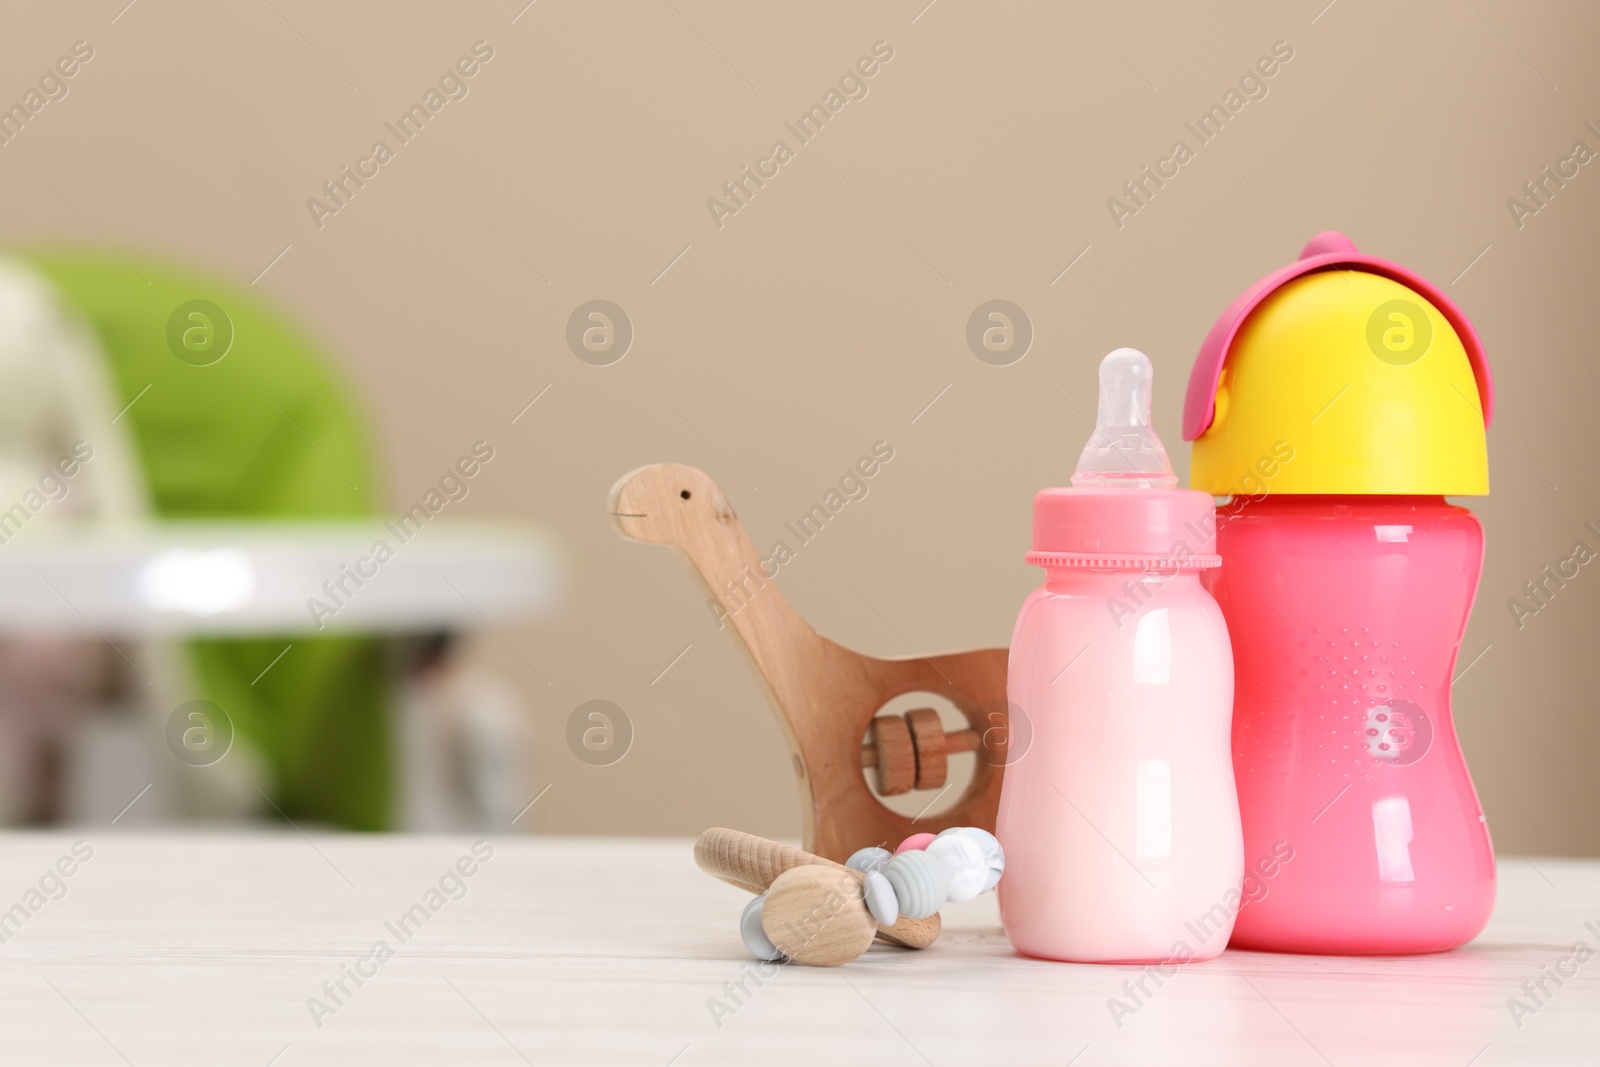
x=1119, y=820
x=1338, y=402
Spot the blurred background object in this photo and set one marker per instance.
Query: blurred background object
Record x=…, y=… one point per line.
x=87, y=368
x=773, y=345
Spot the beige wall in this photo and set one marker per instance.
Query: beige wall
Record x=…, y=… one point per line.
x=829, y=311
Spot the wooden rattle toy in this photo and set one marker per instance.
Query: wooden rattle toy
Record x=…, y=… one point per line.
x=821, y=913
x=826, y=695
x=755, y=864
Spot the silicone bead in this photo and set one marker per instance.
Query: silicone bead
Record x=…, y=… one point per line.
x=921, y=883
x=867, y=860
x=964, y=864
x=993, y=854
x=755, y=938
x=915, y=842
x=880, y=897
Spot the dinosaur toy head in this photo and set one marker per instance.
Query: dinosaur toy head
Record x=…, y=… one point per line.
x=663, y=502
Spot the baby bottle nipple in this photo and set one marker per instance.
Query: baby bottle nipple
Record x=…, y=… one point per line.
x=1124, y=451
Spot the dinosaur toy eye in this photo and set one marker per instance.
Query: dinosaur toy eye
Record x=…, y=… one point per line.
x=684, y=494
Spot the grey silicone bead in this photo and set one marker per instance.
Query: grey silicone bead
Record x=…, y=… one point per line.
x=880, y=898
x=920, y=883
x=755, y=938
x=867, y=860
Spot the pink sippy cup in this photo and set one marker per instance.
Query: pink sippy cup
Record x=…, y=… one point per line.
x=1338, y=401
x=1120, y=823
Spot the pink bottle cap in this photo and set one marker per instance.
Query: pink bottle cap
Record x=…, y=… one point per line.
x=1123, y=511
x=1136, y=529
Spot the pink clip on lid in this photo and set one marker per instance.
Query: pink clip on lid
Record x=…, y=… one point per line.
x=1327, y=250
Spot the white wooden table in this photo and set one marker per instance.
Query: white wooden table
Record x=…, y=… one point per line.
x=205, y=949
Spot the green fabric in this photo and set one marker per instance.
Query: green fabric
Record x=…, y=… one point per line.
x=267, y=432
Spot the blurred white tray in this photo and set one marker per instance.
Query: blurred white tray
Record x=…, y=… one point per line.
x=198, y=579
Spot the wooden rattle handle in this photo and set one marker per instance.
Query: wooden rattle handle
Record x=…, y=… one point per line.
x=747, y=861
x=753, y=863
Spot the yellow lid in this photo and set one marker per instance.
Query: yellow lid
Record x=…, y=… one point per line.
x=1348, y=382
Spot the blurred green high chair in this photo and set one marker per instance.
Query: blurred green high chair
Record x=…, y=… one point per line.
x=250, y=423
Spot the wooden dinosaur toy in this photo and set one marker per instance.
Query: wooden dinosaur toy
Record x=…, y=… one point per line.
x=828, y=697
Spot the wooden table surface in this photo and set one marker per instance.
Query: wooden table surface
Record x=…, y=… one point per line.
x=208, y=949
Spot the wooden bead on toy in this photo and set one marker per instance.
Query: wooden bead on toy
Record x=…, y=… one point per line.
x=814, y=915
x=927, y=736
x=931, y=747
x=896, y=753
x=916, y=842
x=928, y=755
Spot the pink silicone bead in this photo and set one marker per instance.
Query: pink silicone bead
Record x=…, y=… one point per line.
x=916, y=842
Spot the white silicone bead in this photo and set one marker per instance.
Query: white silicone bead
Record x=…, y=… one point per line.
x=867, y=860
x=993, y=854
x=963, y=860
x=880, y=898
x=755, y=938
